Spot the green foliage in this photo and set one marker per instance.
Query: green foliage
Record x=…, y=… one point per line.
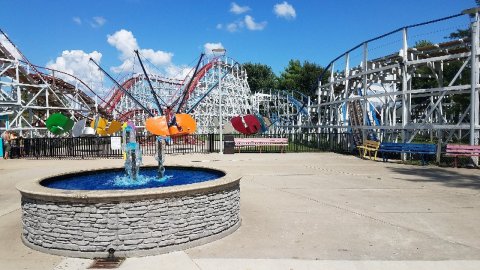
x=460, y=33
x=422, y=43
x=425, y=78
x=260, y=77
x=302, y=78
x=290, y=77
x=463, y=33
x=296, y=76
x=423, y=82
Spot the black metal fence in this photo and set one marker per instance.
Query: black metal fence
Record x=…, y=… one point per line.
x=101, y=147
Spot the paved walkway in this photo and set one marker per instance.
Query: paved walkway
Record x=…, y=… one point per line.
x=299, y=211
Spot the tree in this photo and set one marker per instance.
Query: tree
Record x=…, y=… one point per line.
x=423, y=82
x=423, y=43
x=458, y=102
x=302, y=78
x=460, y=33
x=463, y=33
x=290, y=77
x=260, y=77
x=423, y=79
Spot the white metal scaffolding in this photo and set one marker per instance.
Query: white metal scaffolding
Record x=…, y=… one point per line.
x=28, y=95
x=419, y=93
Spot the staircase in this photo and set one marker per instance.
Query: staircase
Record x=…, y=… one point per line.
x=355, y=115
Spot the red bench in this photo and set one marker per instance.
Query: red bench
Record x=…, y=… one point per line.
x=254, y=142
x=461, y=150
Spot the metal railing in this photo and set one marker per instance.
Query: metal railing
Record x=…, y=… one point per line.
x=306, y=142
x=101, y=147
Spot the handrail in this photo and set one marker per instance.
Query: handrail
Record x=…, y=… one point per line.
x=382, y=36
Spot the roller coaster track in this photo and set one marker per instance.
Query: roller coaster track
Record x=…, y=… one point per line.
x=301, y=105
x=68, y=88
x=287, y=110
x=424, y=90
x=109, y=105
x=117, y=93
x=25, y=87
x=198, y=95
x=200, y=74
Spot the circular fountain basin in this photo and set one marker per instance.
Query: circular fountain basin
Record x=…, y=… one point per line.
x=142, y=220
x=116, y=179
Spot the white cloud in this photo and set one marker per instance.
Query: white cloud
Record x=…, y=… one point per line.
x=126, y=43
x=176, y=72
x=252, y=25
x=208, y=47
x=238, y=9
x=98, y=22
x=285, y=10
x=123, y=41
x=77, y=63
x=77, y=20
x=9, y=46
x=157, y=57
x=233, y=27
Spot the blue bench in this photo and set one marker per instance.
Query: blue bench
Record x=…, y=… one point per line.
x=422, y=149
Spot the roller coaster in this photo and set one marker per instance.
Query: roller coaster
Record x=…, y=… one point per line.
x=29, y=94
x=400, y=87
x=285, y=111
x=393, y=87
x=198, y=94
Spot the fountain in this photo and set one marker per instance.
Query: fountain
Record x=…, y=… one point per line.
x=195, y=206
x=133, y=154
x=160, y=156
x=136, y=211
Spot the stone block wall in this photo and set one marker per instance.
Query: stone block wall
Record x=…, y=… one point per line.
x=132, y=228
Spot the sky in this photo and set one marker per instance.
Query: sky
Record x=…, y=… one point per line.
x=172, y=34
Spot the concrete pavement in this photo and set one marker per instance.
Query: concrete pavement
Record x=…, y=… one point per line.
x=299, y=211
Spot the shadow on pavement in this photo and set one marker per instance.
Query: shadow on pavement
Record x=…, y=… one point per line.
x=449, y=178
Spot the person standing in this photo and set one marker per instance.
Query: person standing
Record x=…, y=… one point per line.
x=6, y=144
x=14, y=149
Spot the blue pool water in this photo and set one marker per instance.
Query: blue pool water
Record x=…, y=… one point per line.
x=117, y=179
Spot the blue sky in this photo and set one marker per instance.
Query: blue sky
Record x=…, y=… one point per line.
x=174, y=33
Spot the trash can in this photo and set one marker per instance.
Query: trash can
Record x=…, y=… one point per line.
x=228, y=144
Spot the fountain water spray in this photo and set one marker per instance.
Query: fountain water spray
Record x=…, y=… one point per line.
x=133, y=154
x=160, y=156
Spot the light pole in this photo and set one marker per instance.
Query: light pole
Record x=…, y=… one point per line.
x=220, y=94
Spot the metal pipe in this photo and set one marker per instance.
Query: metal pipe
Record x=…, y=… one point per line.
x=365, y=100
x=205, y=95
x=184, y=97
x=473, y=83
x=155, y=97
x=404, y=85
x=123, y=89
x=220, y=106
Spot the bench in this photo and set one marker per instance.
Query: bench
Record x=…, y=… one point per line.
x=409, y=148
x=461, y=150
x=368, y=146
x=261, y=142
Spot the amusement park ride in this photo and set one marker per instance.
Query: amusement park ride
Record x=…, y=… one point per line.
x=425, y=91
x=381, y=97
x=34, y=100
